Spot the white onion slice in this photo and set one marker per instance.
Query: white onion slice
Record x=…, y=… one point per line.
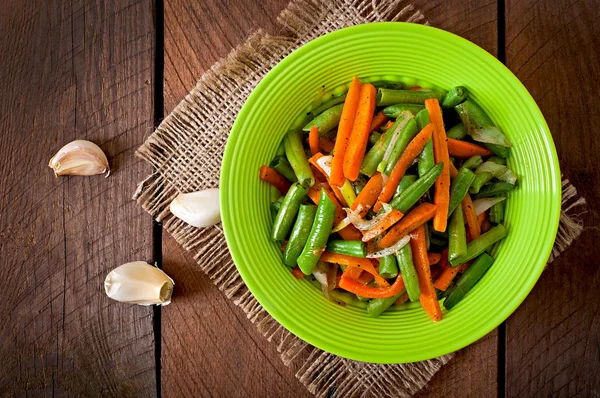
x=364, y=225
x=483, y=204
x=390, y=250
x=406, y=115
x=325, y=163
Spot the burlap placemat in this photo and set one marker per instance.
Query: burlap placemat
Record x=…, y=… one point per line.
x=186, y=152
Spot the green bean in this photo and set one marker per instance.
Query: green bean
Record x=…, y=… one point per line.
x=376, y=307
x=359, y=184
x=287, y=212
x=394, y=110
x=354, y=248
x=473, y=162
x=414, y=192
x=508, y=176
x=405, y=182
x=494, y=189
x=377, y=151
x=496, y=214
x=408, y=133
x=408, y=272
x=460, y=187
x=437, y=241
x=455, y=96
x=318, y=235
x=327, y=120
x=479, y=245
x=304, y=221
x=387, y=84
x=457, y=242
x=473, y=118
x=374, y=137
x=388, y=267
x=294, y=152
x=275, y=206
x=390, y=97
x=422, y=119
x=327, y=104
x=281, y=164
x=280, y=150
x=470, y=277
x=484, y=173
x=497, y=160
x=457, y=132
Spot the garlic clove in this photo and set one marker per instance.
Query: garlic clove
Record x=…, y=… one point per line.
x=79, y=157
x=139, y=283
x=199, y=209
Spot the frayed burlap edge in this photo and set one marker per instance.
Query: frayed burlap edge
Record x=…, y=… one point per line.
x=186, y=152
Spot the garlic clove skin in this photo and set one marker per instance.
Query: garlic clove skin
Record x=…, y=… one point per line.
x=139, y=283
x=79, y=157
x=199, y=209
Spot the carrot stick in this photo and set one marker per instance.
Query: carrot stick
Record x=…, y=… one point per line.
x=464, y=150
x=319, y=176
x=365, y=277
x=471, y=217
x=417, y=217
x=326, y=145
x=313, y=140
x=383, y=225
x=354, y=272
x=415, y=88
x=274, y=178
x=428, y=296
x=297, y=272
x=379, y=120
x=440, y=151
x=448, y=274
x=355, y=287
x=434, y=258
x=363, y=263
x=368, y=196
x=348, y=233
x=389, y=124
x=402, y=299
x=344, y=131
x=453, y=170
x=414, y=148
x=334, y=188
x=357, y=144
x=481, y=218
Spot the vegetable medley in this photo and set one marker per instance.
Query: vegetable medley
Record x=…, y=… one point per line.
x=381, y=201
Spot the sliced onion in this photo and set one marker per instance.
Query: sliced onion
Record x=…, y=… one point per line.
x=494, y=169
x=483, y=204
x=406, y=115
x=325, y=274
x=364, y=225
x=324, y=162
x=491, y=135
x=508, y=176
x=390, y=250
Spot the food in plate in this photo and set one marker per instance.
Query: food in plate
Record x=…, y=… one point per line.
x=382, y=201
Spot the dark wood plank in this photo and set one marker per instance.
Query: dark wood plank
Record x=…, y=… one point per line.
x=196, y=35
x=73, y=70
x=553, y=338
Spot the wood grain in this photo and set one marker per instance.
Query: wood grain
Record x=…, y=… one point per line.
x=73, y=70
x=197, y=35
x=553, y=339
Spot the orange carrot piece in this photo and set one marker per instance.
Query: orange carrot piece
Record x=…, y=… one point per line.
x=313, y=140
x=313, y=161
x=453, y=170
x=344, y=132
x=388, y=125
x=363, y=263
x=434, y=258
x=379, y=120
x=448, y=274
x=383, y=225
x=357, y=144
x=368, y=196
x=441, y=196
x=481, y=218
x=355, y=287
x=354, y=272
x=297, y=272
x=319, y=176
x=326, y=145
x=365, y=278
x=473, y=226
x=416, y=88
x=274, y=178
x=414, y=148
x=348, y=233
x=402, y=299
x=428, y=296
x=464, y=150
x=415, y=218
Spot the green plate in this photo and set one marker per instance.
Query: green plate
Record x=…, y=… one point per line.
x=388, y=50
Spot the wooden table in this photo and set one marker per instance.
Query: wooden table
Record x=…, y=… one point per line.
x=107, y=71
